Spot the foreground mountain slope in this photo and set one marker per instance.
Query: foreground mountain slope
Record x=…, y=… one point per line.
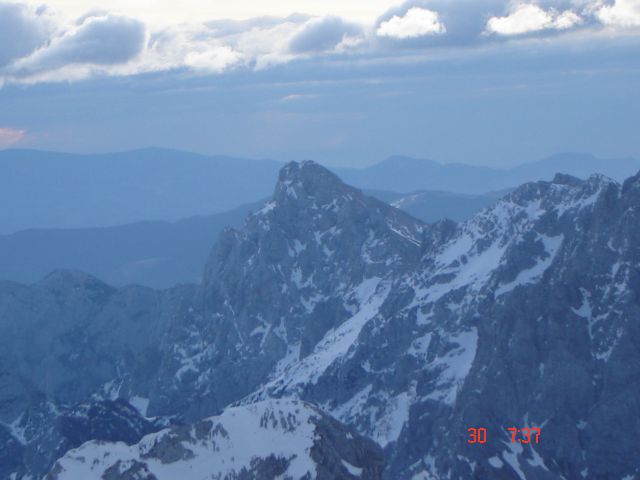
x=266, y=440
x=525, y=315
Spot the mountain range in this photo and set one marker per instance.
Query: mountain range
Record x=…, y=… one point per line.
x=161, y=254
x=354, y=339
x=157, y=254
x=57, y=190
x=405, y=174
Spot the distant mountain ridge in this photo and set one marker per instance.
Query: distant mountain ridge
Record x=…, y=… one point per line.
x=431, y=206
x=155, y=254
x=57, y=190
x=406, y=174
x=162, y=254
x=47, y=189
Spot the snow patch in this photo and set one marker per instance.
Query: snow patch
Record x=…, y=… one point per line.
x=396, y=415
x=454, y=367
x=420, y=346
x=511, y=457
x=533, y=274
x=238, y=436
x=355, y=471
x=334, y=345
x=585, y=310
x=267, y=208
x=141, y=404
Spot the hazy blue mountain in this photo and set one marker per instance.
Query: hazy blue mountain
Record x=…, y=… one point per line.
x=156, y=254
x=577, y=164
x=404, y=174
x=160, y=254
x=56, y=190
x=432, y=206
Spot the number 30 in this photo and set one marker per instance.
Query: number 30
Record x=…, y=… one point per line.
x=477, y=435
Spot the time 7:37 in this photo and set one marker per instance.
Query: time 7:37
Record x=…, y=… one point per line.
x=526, y=434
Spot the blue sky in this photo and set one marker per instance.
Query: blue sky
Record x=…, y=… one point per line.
x=346, y=83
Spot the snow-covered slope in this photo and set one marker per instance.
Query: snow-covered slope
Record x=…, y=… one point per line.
x=266, y=440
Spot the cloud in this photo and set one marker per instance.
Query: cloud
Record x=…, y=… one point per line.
x=214, y=59
x=528, y=18
x=223, y=28
x=36, y=45
x=323, y=34
x=22, y=30
x=416, y=22
x=9, y=136
x=622, y=13
x=260, y=42
x=102, y=40
x=186, y=46
x=463, y=22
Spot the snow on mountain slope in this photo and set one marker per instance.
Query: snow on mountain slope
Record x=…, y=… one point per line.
x=524, y=315
x=333, y=347
x=417, y=370
x=265, y=440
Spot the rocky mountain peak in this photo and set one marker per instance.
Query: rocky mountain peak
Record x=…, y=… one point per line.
x=69, y=277
x=62, y=280
x=632, y=183
x=564, y=193
x=309, y=183
x=315, y=220
x=302, y=265
x=565, y=179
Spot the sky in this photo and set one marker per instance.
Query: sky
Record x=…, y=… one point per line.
x=347, y=82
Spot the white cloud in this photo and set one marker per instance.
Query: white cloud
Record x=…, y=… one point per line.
x=216, y=59
x=38, y=45
x=566, y=19
x=163, y=13
x=190, y=46
x=350, y=42
x=417, y=22
x=22, y=30
x=105, y=40
x=9, y=136
x=323, y=34
x=528, y=18
x=622, y=13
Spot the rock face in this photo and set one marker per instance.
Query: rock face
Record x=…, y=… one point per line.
x=525, y=316
x=303, y=265
x=265, y=440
